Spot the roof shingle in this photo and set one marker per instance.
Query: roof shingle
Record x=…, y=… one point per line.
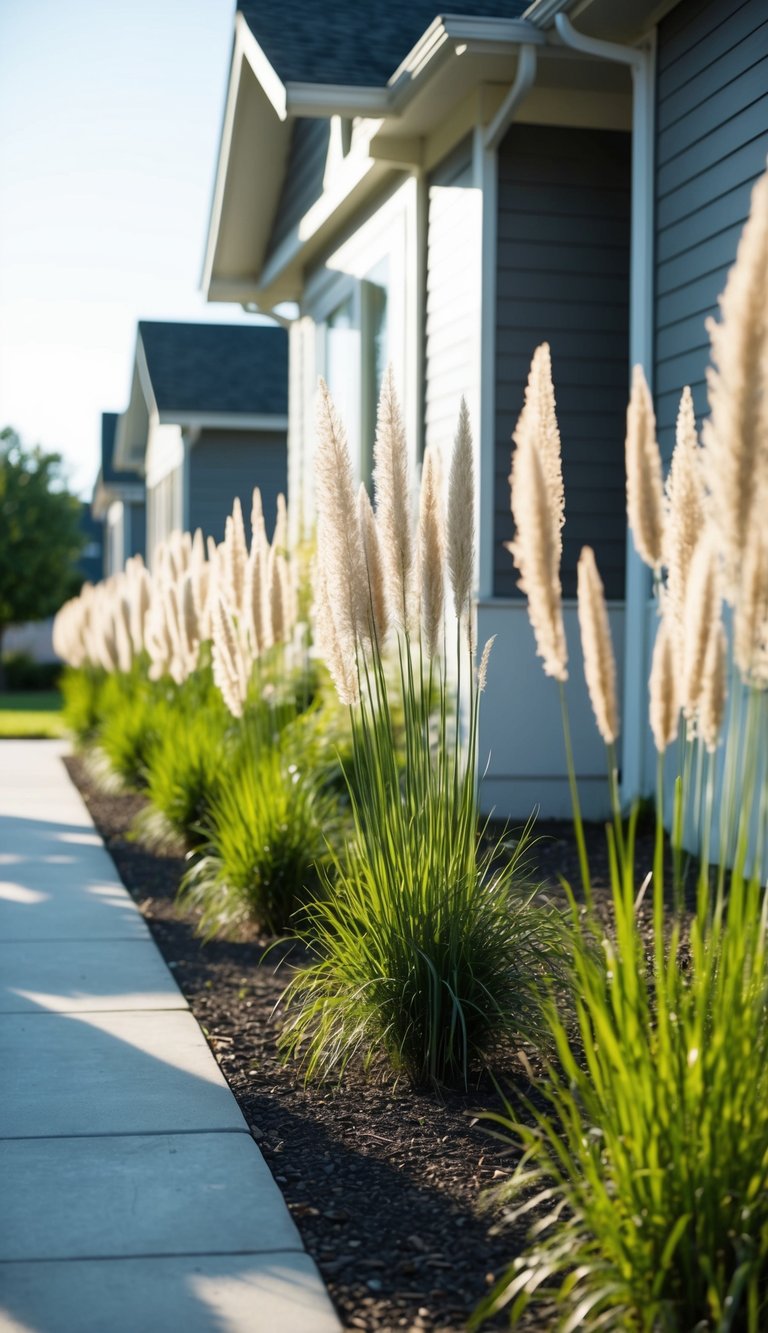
x=349, y=43
x=217, y=368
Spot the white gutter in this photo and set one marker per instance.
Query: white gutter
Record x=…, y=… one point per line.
x=524, y=78
x=486, y=175
x=641, y=62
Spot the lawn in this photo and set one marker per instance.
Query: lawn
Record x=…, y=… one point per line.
x=35, y=714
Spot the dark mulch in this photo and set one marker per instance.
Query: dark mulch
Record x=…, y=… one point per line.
x=383, y=1183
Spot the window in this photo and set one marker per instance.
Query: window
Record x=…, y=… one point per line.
x=356, y=355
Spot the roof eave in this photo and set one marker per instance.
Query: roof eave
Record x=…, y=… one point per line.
x=267, y=283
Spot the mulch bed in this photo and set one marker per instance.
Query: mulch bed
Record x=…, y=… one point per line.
x=383, y=1183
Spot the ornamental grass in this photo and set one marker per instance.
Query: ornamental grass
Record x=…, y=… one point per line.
x=644, y=1162
x=427, y=951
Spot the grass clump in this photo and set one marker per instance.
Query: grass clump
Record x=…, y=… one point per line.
x=264, y=839
x=425, y=951
x=82, y=688
x=649, y=1165
x=135, y=713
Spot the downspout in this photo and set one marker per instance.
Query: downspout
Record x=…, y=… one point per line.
x=638, y=585
x=486, y=178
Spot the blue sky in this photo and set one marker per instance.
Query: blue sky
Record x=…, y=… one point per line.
x=109, y=122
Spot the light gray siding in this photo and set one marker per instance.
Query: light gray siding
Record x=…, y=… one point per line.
x=563, y=278
x=137, y=525
x=453, y=297
x=303, y=180
x=164, y=509
x=712, y=141
x=224, y=464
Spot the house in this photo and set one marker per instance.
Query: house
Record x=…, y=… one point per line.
x=446, y=191
x=118, y=504
x=206, y=422
x=90, y=566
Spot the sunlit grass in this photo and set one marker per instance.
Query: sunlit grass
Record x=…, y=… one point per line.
x=31, y=715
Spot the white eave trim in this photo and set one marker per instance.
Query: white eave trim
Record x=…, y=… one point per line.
x=224, y=420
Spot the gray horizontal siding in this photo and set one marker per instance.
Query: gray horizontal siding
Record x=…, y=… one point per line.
x=712, y=140
x=563, y=278
x=226, y=464
x=303, y=179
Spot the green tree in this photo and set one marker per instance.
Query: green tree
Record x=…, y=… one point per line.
x=40, y=535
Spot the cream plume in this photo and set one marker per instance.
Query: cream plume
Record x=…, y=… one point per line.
x=596, y=647
x=390, y=477
x=228, y=666
x=736, y=435
x=664, y=709
x=482, y=670
x=431, y=553
x=339, y=540
x=538, y=421
x=645, y=488
x=338, y=657
x=750, y=619
x=276, y=606
x=378, y=608
x=460, y=524
x=685, y=514
x=535, y=554
x=258, y=527
x=702, y=610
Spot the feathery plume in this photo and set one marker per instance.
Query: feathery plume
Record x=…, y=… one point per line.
x=228, y=667
x=702, y=610
x=714, y=687
x=596, y=646
x=460, y=525
x=339, y=539
x=482, y=670
x=664, y=708
x=258, y=526
x=538, y=421
x=750, y=619
x=254, y=599
x=338, y=657
x=276, y=607
x=235, y=554
x=377, y=598
x=735, y=437
x=535, y=555
x=645, y=489
x=431, y=553
x=684, y=516
x=390, y=477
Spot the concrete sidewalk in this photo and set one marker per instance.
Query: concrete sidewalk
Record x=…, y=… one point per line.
x=133, y=1198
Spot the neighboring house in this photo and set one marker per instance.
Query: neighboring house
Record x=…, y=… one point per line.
x=118, y=504
x=445, y=193
x=90, y=566
x=206, y=422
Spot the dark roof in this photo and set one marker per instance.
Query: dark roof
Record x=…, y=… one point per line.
x=217, y=368
x=348, y=42
x=110, y=475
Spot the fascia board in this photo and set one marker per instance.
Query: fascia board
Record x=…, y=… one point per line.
x=273, y=86
x=263, y=422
